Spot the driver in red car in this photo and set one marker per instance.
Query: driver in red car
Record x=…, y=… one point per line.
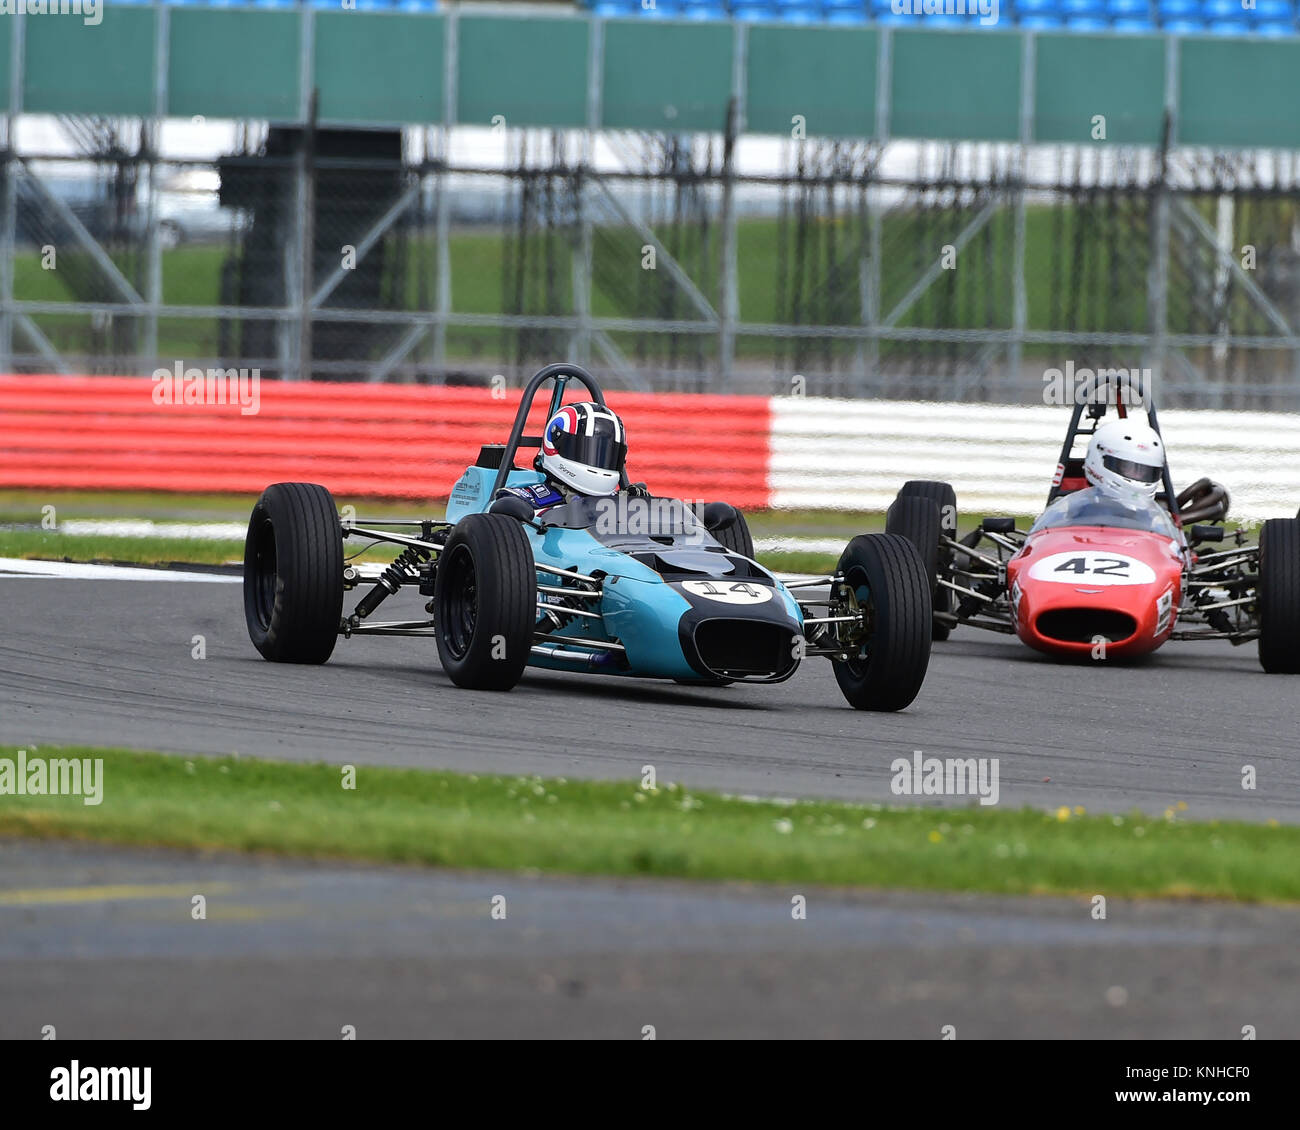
x=1125, y=465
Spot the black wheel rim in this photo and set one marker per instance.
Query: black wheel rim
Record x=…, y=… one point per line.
x=264, y=572
x=459, y=612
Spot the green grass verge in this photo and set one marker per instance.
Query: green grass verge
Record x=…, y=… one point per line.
x=618, y=829
x=26, y=508
x=47, y=545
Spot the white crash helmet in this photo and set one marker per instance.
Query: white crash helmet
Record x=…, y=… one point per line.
x=584, y=446
x=1125, y=458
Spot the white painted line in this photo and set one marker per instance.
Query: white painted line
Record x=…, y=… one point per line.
x=11, y=567
x=800, y=545
x=147, y=528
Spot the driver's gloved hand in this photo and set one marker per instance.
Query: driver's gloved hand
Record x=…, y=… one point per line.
x=637, y=490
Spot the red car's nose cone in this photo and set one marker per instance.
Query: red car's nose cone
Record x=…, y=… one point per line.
x=1098, y=591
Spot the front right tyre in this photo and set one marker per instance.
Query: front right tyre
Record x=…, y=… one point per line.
x=1279, y=596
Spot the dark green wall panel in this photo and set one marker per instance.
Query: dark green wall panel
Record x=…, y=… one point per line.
x=6, y=27
x=673, y=76
x=235, y=64
x=1079, y=76
x=377, y=70
x=533, y=72
x=79, y=68
x=960, y=84
x=1239, y=93
x=826, y=74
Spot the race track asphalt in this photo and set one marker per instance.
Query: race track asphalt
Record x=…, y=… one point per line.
x=102, y=944
x=111, y=663
x=99, y=941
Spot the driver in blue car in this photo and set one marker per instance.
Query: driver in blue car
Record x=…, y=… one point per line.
x=1125, y=464
x=583, y=449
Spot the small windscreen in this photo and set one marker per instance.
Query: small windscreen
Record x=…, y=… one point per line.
x=1090, y=507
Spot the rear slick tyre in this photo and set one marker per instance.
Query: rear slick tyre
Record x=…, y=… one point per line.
x=945, y=498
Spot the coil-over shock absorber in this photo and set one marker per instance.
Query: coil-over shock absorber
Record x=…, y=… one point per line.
x=405, y=569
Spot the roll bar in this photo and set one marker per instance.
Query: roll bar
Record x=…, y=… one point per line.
x=1096, y=410
x=560, y=373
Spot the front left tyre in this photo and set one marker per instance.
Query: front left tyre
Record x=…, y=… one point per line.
x=485, y=602
x=293, y=574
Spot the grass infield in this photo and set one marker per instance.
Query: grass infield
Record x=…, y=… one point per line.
x=617, y=828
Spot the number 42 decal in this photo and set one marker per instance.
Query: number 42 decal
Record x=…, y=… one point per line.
x=1097, y=566
x=1091, y=568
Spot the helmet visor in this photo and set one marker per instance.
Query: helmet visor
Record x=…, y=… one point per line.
x=600, y=449
x=1136, y=472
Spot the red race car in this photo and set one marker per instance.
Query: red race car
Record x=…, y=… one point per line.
x=1112, y=569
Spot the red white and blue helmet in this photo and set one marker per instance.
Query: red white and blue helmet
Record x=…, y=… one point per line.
x=584, y=446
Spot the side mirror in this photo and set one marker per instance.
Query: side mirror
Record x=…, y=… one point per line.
x=998, y=525
x=512, y=506
x=1206, y=533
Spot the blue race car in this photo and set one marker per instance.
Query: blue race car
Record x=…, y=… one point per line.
x=623, y=583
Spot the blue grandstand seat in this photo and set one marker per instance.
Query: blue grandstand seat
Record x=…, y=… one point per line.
x=1128, y=9
x=1037, y=8
x=1177, y=9
x=1275, y=31
x=753, y=13
x=1083, y=9
x=704, y=12
x=1224, y=10
x=1042, y=23
x=1273, y=11
x=1086, y=24
x=878, y=6
x=1128, y=26
x=846, y=16
x=1185, y=27
x=1229, y=27
x=829, y=5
